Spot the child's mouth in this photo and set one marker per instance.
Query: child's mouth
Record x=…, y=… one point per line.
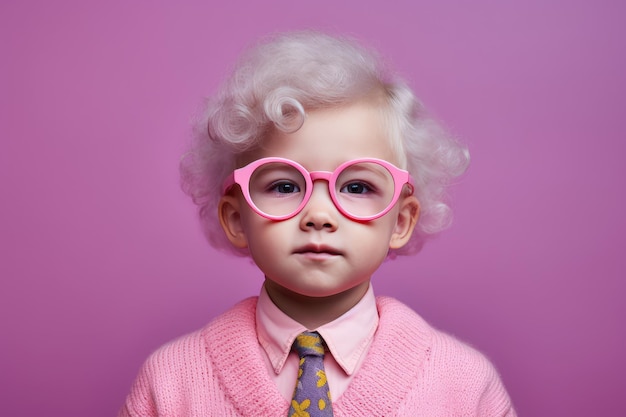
x=318, y=251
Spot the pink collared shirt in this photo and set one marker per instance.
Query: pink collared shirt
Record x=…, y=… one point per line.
x=348, y=339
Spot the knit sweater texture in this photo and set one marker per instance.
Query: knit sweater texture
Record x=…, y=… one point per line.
x=411, y=370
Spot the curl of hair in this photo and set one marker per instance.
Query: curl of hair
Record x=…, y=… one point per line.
x=276, y=82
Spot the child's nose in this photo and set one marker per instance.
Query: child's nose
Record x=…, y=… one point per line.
x=320, y=212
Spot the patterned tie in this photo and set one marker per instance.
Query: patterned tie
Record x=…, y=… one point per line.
x=311, y=398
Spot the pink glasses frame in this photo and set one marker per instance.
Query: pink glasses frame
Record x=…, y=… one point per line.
x=242, y=177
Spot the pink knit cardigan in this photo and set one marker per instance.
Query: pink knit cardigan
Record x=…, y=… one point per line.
x=411, y=370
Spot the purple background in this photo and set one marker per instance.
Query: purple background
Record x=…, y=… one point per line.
x=101, y=256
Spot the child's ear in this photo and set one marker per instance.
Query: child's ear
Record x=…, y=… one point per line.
x=405, y=223
x=229, y=214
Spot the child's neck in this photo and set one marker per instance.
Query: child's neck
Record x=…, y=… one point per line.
x=313, y=312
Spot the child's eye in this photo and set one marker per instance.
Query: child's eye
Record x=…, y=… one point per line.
x=356, y=188
x=284, y=187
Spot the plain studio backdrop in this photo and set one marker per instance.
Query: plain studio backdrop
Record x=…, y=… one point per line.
x=101, y=255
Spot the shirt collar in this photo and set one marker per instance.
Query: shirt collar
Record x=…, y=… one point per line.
x=347, y=337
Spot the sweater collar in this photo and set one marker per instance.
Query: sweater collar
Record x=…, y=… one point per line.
x=390, y=369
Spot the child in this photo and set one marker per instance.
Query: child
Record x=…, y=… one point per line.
x=315, y=163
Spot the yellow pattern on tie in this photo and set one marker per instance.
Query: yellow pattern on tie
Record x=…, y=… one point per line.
x=311, y=397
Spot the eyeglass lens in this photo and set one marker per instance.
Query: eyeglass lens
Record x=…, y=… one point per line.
x=362, y=189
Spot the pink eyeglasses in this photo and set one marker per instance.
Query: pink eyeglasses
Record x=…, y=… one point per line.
x=362, y=189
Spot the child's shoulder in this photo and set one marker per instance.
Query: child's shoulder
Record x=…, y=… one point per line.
x=443, y=366
x=400, y=323
x=191, y=349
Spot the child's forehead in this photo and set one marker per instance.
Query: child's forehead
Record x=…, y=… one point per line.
x=329, y=137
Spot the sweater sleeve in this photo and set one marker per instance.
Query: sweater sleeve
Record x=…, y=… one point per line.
x=140, y=400
x=466, y=381
x=174, y=381
x=494, y=399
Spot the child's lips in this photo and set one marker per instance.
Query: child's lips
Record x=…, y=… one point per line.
x=318, y=251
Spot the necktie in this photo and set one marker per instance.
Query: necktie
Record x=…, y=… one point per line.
x=311, y=398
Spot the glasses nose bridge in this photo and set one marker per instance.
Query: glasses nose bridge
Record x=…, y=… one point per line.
x=320, y=175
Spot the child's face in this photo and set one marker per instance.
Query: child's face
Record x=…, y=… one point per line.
x=319, y=252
